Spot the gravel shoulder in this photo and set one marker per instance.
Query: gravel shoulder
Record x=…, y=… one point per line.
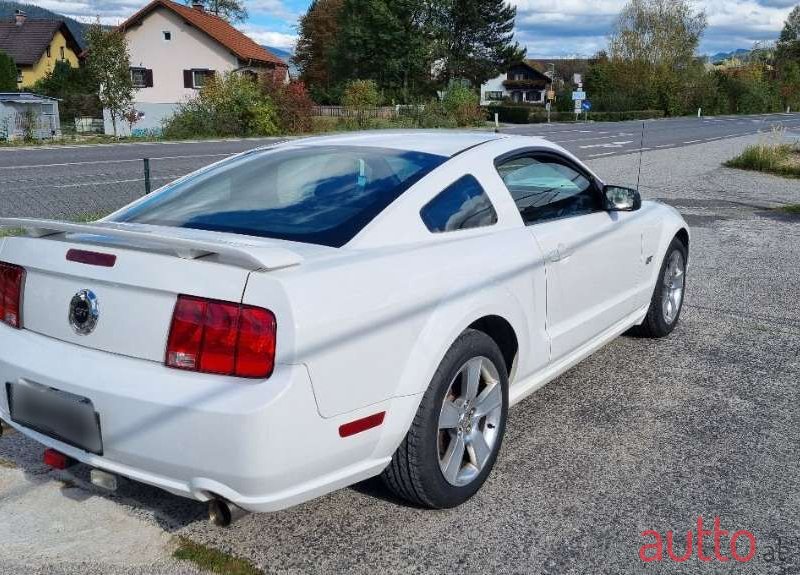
x=642, y=435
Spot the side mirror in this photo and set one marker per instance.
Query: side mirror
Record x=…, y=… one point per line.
x=618, y=199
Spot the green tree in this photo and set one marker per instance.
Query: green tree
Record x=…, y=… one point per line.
x=658, y=33
x=318, y=30
x=8, y=73
x=384, y=41
x=230, y=10
x=788, y=48
x=791, y=28
x=474, y=39
x=652, y=54
x=75, y=87
x=109, y=64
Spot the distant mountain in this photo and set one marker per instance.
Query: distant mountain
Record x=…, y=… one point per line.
x=741, y=53
x=7, y=9
x=286, y=56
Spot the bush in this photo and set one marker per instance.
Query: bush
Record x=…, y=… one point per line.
x=292, y=101
x=359, y=96
x=462, y=106
x=232, y=105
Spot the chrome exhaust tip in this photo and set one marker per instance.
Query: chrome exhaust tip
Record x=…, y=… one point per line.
x=223, y=513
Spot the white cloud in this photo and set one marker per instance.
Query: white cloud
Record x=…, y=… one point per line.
x=567, y=27
x=269, y=38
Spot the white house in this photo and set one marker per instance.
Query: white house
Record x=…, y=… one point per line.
x=521, y=83
x=174, y=48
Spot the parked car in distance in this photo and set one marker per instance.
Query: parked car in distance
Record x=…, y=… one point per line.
x=301, y=317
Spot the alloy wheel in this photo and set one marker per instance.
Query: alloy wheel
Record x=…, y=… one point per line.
x=469, y=421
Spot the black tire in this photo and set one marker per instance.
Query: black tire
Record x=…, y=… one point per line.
x=415, y=473
x=655, y=324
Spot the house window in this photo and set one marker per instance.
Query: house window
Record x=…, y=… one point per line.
x=138, y=77
x=48, y=51
x=200, y=77
x=63, y=56
x=493, y=95
x=47, y=109
x=167, y=35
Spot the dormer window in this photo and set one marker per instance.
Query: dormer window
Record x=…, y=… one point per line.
x=167, y=35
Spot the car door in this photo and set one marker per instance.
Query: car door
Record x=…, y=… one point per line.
x=593, y=257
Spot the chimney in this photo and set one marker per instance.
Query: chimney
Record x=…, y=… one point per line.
x=199, y=5
x=19, y=17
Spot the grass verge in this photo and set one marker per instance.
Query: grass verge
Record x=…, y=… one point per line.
x=778, y=159
x=212, y=560
x=790, y=209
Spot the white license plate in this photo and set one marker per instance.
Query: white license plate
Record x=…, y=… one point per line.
x=63, y=416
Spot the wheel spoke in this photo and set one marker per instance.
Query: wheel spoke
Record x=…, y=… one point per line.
x=453, y=458
x=490, y=399
x=449, y=417
x=473, y=374
x=479, y=450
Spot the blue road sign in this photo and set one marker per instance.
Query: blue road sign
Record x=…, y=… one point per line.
x=586, y=105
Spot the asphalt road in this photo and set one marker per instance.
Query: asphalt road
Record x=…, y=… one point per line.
x=62, y=181
x=598, y=139
x=643, y=435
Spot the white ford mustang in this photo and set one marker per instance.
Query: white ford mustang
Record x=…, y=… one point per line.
x=301, y=317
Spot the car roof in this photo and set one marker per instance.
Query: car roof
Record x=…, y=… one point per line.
x=438, y=142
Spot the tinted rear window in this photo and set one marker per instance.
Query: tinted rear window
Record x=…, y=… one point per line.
x=319, y=195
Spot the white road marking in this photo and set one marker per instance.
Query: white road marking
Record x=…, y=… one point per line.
x=598, y=155
x=607, y=145
x=692, y=141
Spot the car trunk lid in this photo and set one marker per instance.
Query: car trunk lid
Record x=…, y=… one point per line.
x=136, y=293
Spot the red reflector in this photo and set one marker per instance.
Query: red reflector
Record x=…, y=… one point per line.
x=222, y=338
x=56, y=459
x=362, y=424
x=92, y=258
x=12, y=278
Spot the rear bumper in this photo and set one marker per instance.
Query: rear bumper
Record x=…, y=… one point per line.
x=261, y=445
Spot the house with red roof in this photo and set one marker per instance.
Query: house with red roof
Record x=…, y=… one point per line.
x=174, y=49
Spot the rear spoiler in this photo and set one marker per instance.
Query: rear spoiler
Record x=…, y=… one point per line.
x=249, y=256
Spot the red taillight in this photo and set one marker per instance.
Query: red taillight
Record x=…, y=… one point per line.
x=56, y=459
x=12, y=278
x=221, y=337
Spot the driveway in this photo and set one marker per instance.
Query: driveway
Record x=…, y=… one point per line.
x=643, y=435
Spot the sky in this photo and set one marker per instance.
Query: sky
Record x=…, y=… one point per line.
x=548, y=28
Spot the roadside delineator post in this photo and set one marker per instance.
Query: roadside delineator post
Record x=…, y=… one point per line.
x=146, y=175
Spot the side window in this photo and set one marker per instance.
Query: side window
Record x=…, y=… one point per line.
x=462, y=205
x=545, y=189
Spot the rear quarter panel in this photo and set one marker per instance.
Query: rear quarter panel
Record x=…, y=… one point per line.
x=375, y=324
